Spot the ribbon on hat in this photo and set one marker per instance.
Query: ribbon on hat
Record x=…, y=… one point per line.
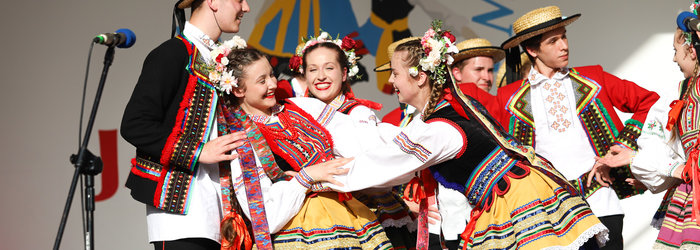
x=178, y=23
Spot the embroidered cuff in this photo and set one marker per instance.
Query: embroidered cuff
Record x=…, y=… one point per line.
x=673, y=166
x=628, y=136
x=304, y=179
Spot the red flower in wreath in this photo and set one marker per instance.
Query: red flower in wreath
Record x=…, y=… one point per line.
x=449, y=36
x=348, y=43
x=295, y=63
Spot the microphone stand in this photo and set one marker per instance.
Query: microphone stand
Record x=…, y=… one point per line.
x=88, y=165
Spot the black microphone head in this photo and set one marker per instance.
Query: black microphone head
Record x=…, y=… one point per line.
x=682, y=20
x=128, y=37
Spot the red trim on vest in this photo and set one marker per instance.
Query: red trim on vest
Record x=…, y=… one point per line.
x=458, y=128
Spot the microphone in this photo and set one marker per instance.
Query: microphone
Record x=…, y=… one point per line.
x=688, y=22
x=122, y=38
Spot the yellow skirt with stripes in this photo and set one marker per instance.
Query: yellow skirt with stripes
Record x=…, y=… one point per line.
x=324, y=222
x=535, y=212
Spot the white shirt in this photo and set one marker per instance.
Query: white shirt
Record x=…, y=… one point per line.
x=282, y=199
x=660, y=151
x=570, y=152
x=377, y=154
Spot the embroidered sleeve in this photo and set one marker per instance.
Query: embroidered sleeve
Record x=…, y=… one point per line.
x=628, y=136
x=407, y=146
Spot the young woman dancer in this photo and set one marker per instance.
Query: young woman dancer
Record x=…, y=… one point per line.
x=329, y=65
x=667, y=158
x=326, y=219
x=518, y=199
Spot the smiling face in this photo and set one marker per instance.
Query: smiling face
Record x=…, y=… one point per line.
x=256, y=90
x=478, y=69
x=407, y=87
x=684, y=55
x=324, y=74
x=229, y=13
x=553, y=52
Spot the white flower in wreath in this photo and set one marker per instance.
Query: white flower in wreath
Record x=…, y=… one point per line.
x=435, y=58
x=224, y=61
x=426, y=65
x=214, y=76
x=451, y=48
x=449, y=59
x=413, y=71
x=236, y=42
x=228, y=82
x=323, y=36
x=353, y=71
x=435, y=45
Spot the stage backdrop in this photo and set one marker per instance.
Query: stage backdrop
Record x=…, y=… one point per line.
x=46, y=47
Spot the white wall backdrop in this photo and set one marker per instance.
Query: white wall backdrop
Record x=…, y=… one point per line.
x=45, y=47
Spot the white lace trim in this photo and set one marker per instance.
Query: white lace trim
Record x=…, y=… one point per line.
x=405, y=221
x=598, y=230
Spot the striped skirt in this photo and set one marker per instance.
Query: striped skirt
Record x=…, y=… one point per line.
x=679, y=230
x=324, y=222
x=535, y=212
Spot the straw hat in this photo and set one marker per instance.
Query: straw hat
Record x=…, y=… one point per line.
x=478, y=47
x=537, y=22
x=387, y=66
x=184, y=4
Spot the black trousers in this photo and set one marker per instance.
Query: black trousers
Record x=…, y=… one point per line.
x=187, y=244
x=436, y=244
x=614, y=224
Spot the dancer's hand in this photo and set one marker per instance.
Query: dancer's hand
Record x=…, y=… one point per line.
x=325, y=171
x=217, y=150
x=601, y=172
x=617, y=156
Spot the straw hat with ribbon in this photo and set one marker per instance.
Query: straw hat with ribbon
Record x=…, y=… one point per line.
x=387, y=66
x=531, y=24
x=478, y=47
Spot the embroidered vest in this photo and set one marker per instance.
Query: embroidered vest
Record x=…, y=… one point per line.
x=178, y=163
x=597, y=123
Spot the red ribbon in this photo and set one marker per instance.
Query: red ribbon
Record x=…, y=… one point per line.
x=418, y=190
x=676, y=108
x=344, y=196
x=470, y=227
x=239, y=230
x=691, y=174
x=370, y=104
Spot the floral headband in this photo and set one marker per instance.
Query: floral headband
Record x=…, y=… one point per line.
x=223, y=79
x=439, y=47
x=688, y=36
x=347, y=45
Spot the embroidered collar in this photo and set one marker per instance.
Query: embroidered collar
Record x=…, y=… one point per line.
x=535, y=77
x=198, y=34
x=265, y=118
x=338, y=101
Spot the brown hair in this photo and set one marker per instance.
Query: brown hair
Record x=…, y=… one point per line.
x=532, y=43
x=340, y=56
x=239, y=59
x=415, y=52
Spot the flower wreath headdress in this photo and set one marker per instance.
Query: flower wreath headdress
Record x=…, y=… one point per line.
x=223, y=79
x=438, y=47
x=347, y=45
x=689, y=36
